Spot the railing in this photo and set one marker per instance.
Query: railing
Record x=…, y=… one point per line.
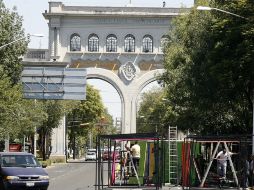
x=37, y=55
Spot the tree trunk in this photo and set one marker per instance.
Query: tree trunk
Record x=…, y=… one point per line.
x=43, y=146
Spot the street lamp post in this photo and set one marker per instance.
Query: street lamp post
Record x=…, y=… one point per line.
x=205, y=8
x=28, y=36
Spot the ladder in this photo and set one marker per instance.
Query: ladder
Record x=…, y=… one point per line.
x=173, y=155
x=131, y=167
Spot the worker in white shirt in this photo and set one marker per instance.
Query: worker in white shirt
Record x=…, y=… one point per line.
x=222, y=158
x=135, y=153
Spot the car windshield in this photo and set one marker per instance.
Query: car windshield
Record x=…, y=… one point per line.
x=19, y=161
x=91, y=153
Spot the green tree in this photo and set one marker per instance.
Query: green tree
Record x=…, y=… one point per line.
x=18, y=117
x=209, y=69
x=54, y=110
x=88, y=113
x=11, y=30
x=10, y=105
x=154, y=112
x=33, y=115
x=107, y=123
x=14, y=110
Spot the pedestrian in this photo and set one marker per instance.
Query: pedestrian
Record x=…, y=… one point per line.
x=246, y=172
x=135, y=154
x=222, y=158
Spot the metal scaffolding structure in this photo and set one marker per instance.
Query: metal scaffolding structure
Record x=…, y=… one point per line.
x=199, y=156
x=138, y=180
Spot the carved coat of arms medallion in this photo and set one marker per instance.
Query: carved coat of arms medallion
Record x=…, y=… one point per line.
x=128, y=71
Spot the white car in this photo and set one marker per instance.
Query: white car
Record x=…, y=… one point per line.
x=90, y=156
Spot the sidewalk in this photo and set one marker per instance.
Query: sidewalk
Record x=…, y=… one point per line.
x=199, y=188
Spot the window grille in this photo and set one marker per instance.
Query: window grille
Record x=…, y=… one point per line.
x=75, y=43
x=93, y=43
x=111, y=43
x=147, y=44
x=129, y=43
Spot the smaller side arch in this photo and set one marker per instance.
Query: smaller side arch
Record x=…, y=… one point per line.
x=147, y=78
x=144, y=80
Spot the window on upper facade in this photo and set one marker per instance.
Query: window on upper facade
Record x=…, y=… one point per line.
x=111, y=43
x=164, y=42
x=129, y=43
x=147, y=44
x=93, y=43
x=75, y=43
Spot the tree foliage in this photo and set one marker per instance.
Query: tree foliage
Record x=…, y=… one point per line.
x=154, y=112
x=54, y=112
x=209, y=69
x=12, y=106
x=88, y=111
x=86, y=118
x=16, y=114
x=19, y=117
x=11, y=30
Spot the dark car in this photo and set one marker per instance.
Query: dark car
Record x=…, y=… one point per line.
x=20, y=171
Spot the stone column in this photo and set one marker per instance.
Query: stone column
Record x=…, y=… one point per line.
x=58, y=141
x=126, y=120
x=51, y=42
x=57, y=39
x=130, y=109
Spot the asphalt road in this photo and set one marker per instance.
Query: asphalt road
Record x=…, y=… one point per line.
x=72, y=176
x=81, y=176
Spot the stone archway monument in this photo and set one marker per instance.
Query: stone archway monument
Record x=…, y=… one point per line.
x=121, y=45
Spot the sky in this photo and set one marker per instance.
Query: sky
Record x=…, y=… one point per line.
x=34, y=23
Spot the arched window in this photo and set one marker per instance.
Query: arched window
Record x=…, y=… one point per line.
x=147, y=43
x=75, y=43
x=129, y=43
x=164, y=42
x=93, y=43
x=111, y=43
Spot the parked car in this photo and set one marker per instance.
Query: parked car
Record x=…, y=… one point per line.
x=90, y=156
x=21, y=170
